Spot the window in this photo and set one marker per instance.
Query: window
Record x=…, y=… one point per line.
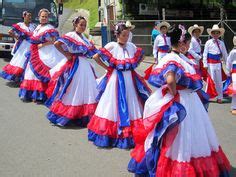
x=14, y=1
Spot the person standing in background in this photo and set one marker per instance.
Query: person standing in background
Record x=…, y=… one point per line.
x=155, y=32
x=195, y=51
x=72, y=99
x=162, y=42
x=21, y=32
x=41, y=58
x=214, y=52
x=231, y=71
x=178, y=139
x=122, y=94
x=130, y=27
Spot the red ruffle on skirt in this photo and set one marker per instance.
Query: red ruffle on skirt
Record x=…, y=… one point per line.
x=230, y=90
x=54, y=79
x=33, y=85
x=210, y=166
x=38, y=65
x=13, y=70
x=102, y=126
x=73, y=112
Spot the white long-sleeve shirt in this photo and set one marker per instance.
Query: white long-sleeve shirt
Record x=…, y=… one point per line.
x=195, y=48
x=231, y=60
x=212, y=48
x=159, y=41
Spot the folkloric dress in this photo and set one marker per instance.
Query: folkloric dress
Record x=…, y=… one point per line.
x=15, y=69
x=41, y=60
x=73, y=90
x=122, y=96
x=178, y=139
x=231, y=69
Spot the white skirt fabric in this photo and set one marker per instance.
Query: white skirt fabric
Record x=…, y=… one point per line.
x=108, y=100
x=50, y=56
x=196, y=136
x=19, y=57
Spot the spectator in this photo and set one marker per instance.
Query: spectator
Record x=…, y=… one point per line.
x=155, y=32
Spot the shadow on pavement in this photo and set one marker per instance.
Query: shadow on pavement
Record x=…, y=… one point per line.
x=13, y=84
x=233, y=171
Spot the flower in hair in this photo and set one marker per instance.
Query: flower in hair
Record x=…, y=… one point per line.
x=24, y=13
x=182, y=37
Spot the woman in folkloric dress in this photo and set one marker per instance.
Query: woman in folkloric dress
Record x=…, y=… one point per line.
x=178, y=138
x=21, y=32
x=42, y=57
x=231, y=72
x=122, y=94
x=72, y=90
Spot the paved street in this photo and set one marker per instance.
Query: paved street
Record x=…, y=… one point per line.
x=32, y=147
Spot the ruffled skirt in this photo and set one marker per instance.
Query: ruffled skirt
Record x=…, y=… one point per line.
x=74, y=101
x=37, y=75
x=104, y=129
x=15, y=69
x=182, y=142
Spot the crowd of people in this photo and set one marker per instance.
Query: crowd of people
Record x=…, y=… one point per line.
x=169, y=129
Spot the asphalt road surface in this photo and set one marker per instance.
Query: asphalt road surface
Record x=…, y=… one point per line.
x=32, y=147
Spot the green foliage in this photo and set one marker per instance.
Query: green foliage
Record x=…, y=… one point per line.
x=91, y=5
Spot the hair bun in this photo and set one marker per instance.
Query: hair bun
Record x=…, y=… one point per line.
x=174, y=33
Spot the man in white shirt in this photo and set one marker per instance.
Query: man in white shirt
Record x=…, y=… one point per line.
x=214, y=52
x=131, y=27
x=195, y=51
x=162, y=44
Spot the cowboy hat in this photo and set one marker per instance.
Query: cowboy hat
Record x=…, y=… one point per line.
x=164, y=23
x=215, y=28
x=129, y=25
x=234, y=40
x=194, y=27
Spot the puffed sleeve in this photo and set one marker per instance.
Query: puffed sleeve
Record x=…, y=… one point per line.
x=187, y=80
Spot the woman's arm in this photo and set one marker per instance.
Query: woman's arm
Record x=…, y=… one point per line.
x=58, y=45
x=51, y=42
x=12, y=34
x=96, y=57
x=171, y=82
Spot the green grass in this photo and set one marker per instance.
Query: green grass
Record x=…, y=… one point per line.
x=91, y=5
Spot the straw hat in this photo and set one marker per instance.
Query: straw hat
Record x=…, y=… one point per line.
x=194, y=27
x=129, y=25
x=215, y=28
x=164, y=23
